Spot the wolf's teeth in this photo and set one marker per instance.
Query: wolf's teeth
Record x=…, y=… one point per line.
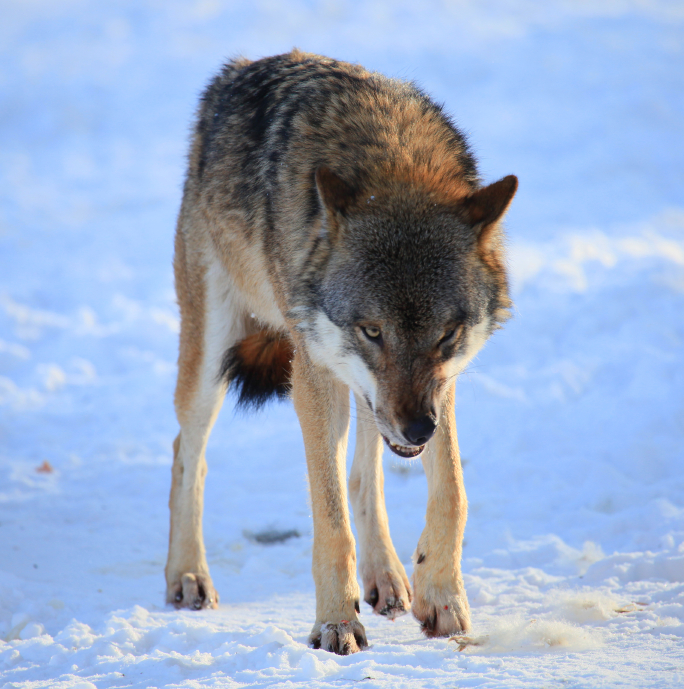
x=406, y=451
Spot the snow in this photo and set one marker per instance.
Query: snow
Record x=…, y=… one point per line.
x=571, y=420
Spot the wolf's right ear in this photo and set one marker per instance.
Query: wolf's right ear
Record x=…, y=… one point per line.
x=335, y=193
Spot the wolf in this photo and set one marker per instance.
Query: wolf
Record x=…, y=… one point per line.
x=334, y=236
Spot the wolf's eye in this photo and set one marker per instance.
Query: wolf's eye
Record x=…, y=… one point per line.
x=371, y=332
x=451, y=335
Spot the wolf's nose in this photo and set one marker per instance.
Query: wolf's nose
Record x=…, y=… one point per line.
x=418, y=432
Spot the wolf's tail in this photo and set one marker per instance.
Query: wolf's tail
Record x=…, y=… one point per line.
x=259, y=368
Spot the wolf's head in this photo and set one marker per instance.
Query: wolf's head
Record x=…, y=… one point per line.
x=404, y=287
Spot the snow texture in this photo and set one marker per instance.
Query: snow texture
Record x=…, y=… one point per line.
x=571, y=420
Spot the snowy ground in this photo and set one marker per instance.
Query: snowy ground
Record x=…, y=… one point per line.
x=571, y=421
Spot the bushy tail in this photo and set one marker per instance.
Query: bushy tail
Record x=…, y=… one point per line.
x=259, y=368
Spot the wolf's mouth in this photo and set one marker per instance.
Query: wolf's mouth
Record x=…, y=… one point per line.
x=406, y=451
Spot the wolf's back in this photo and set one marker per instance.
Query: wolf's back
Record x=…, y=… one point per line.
x=273, y=121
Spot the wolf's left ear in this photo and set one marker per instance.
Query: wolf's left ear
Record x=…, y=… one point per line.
x=488, y=204
x=335, y=193
x=484, y=208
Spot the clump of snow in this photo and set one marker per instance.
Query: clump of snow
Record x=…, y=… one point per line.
x=515, y=635
x=590, y=606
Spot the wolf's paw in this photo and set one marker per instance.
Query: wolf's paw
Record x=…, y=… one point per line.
x=343, y=638
x=387, y=590
x=442, y=613
x=194, y=591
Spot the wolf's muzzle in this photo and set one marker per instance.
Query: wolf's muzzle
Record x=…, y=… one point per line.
x=418, y=432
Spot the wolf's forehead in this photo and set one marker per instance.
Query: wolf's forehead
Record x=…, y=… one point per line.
x=412, y=257
x=435, y=279
x=411, y=306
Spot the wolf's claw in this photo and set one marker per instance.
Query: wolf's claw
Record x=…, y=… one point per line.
x=194, y=592
x=387, y=588
x=343, y=638
x=442, y=620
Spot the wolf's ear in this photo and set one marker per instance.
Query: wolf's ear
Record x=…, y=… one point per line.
x=335, y=193
x=484, y=208
x=488, y=204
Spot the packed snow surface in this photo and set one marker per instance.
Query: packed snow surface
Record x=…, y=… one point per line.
x=571, y=420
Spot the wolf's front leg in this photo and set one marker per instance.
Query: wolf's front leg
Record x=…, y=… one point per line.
x=188, y=583
x=440, y=602
x=322, y=405
x=210, y=324
x=386, y=586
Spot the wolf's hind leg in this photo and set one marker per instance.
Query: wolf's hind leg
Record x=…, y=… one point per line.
x=210, y=324
x=386, y=586
x=322, y=405
x=440, y=603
